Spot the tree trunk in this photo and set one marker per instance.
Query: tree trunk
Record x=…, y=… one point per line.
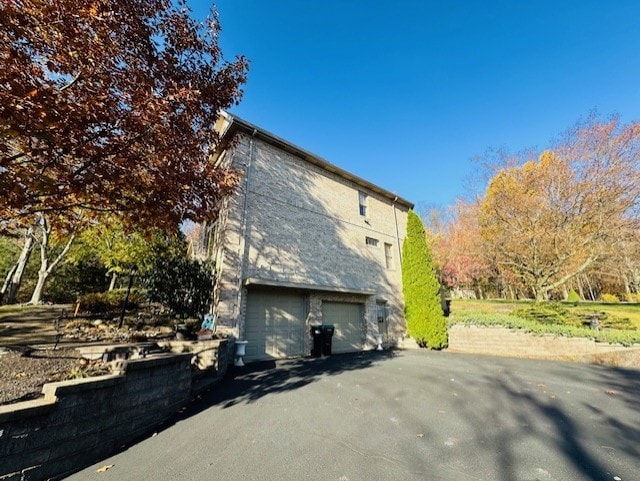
x=18, y=270
x=635, y=280
x=539, y=291
x=580, y=289
x=7, y=282
x=591, y=293
x=36, y=296
x=47, y=268
x=625, y=281
x=112, y=284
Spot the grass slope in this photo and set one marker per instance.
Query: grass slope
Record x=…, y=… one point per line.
x=620, y=322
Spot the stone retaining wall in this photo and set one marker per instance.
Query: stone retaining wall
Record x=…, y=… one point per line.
x=507, y=342
x=81, y=421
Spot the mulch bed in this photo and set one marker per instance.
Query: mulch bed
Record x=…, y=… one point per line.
x=23, y=372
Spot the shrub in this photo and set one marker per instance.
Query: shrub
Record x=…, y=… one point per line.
x=635, y=298
x=609, y=299
x=182, y=285
x=548, y=313
x=73, y=280
x=110, y=301
x=573, y=296
x=423, y=311
x=615, y=322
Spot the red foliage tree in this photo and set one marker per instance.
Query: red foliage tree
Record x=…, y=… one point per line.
x=459, y=251
x=110, y=106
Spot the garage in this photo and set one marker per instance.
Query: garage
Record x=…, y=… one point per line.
x=348, y=320
x=274, y=324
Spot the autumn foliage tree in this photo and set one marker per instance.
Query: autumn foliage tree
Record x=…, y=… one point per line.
x=110, y=106
x=117, y=249
x=459, y=251
x=421, y=289
x=550, y=219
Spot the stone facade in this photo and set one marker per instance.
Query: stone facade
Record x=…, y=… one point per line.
x=295, y=222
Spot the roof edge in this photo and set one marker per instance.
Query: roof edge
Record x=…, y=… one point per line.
x=258, y=281
x=234, y=122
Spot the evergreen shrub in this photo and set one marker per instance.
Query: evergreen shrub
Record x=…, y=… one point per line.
x=546, y=313
x=182, y=285
x=573, y=296
x=423, y=311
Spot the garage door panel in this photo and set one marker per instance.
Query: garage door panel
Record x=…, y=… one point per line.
x=274, y=324
x=347, y=337
x=348, y=321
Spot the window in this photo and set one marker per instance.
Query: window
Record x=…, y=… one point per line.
x=388, y=259
x=382, y=311
x=362, y=199
x=370, y=241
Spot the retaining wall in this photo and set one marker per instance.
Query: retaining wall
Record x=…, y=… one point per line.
x=507, y=342
x=82, y=421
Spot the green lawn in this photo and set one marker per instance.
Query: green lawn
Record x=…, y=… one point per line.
x=620, y=323
x=621, y=312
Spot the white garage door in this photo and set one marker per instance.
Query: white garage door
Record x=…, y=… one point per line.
x=348, y=321
x=274, y=324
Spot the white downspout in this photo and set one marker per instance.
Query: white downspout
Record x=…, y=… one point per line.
x=395, y=218
x=243, y=247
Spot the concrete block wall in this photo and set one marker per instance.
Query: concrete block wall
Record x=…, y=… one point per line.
x=303, y=226
x=507, y=342
x=208, y=356
x=79, y=422
x=228, y=243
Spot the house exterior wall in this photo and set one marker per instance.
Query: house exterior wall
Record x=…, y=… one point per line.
x=294, y=224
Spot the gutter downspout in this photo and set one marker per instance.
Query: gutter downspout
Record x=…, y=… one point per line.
x=401, y=293
x=243, y=247
x=395, y=218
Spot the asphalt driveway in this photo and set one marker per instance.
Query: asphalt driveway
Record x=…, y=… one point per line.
x=411, y=415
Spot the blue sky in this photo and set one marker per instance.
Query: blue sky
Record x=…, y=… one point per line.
x=404, y=94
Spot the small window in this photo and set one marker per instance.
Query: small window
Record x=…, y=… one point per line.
x=382, y=311
x=388, y=258
x=370, y=241
x=362, y=199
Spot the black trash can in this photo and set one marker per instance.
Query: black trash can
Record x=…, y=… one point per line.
x=317, y=334
x=327, y=335
x=447, y=307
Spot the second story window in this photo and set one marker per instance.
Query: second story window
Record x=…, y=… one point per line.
x=370, y=241
x=388, y=258
x=362, y=198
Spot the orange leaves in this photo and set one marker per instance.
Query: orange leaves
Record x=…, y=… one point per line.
x=458, y=249
x=104, y=468
x=549, y=219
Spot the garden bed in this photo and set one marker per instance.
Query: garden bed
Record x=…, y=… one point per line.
x=25, y=371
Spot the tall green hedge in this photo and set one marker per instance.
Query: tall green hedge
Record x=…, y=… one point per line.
x=423, y=311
